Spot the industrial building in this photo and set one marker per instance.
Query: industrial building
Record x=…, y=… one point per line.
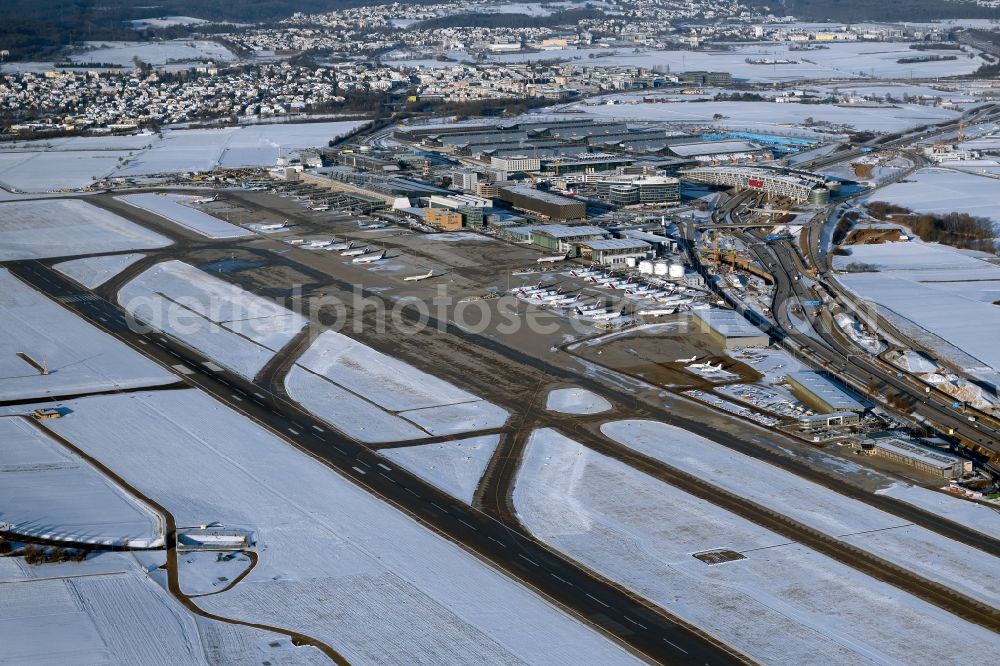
x=515, y=163
x=545, y=204
x=639, y=189
x=797, y=186
x=821, y=393
x=928, y=460
x=614, y=251
x=443, y=218
x=730, y=329
x=556, y=237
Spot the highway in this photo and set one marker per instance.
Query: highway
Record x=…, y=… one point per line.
x=649, y=632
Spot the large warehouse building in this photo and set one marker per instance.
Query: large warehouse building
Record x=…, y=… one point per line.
x=797, y=186
x=932, y=461
x=546, y=204
x=731, y=330
x=821, y=393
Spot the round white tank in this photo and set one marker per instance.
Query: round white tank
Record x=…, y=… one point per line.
x=661, y=268
x=676, y=271
x=630, y=262
x=646, y=267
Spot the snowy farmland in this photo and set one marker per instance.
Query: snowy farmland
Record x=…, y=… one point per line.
x=178, y=209
x=911, y=547
x=53, y=171
x=66, y=227
x=455, y=467
x=334, y=562
x=79, y=358
x=767, y=116
x=373, y=397
x=50, y=493
x=941, y=190
x=642, y=533
x=935, y=291
x=92, y=272
x=848, y=60
x=231, y=326
x=575, y=401
x=180, y=51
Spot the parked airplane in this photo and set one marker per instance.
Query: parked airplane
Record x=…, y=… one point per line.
x=317, y=245
x=567, y=300
x=372, y=225
x=657, y=313
x=418, y=278
x=584, y=309
x=273, y=227
x=551, y=259
x=205, y=200
x=345, y=245
x=686, y=360
x=606, y=316
x=369, y=258
x=705, y=367
x=355, y=251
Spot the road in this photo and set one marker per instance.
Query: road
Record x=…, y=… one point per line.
x=602, y=604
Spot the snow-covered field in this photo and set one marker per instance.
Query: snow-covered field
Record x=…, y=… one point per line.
x=178, y=209
x=783, y=603
x=108, y=609
x=943, y=291
x=334, y=562
x=575, y=401
x=73, y=163
x=937, y=190
x=79, y=358
x=153, y=53
x=856, y=60
x=926, y=553
x=92, y=272
x=49, y=492
x=231, y=326
x=250, y=145
x=455, y=467
x=373, y=397
x=769, y=115
x=55, y=170
x=66, y=227
x=971, y=514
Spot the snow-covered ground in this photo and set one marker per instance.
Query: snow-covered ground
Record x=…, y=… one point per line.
x=335, y=562
x=109, y=609
x=769, y=115
x=73, y=163
x=230, y=147
x=937, y=190
x=367, y=394
x=857, y=60
x=575, y=401
x=938, y=290
x=783, y=603
x=49, y=492
x=178, y=209
x=231, y=326
x=923, y=552
x=455, y=466
x=56, y=170
x=79, y=358
x=153, y=53
x=92, y=272
x=67, y=227
x=973, y=515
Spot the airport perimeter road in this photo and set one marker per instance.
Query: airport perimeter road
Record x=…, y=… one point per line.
x=647, y=630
